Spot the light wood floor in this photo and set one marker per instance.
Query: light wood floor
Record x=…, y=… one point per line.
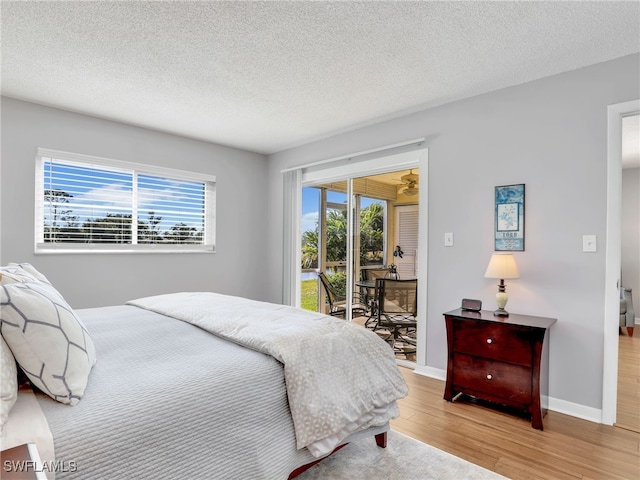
x=568, y=448
x=628, y=408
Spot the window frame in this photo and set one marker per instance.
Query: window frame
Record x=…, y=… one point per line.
x=208, y=181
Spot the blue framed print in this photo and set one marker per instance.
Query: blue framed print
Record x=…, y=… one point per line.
x=509, y=225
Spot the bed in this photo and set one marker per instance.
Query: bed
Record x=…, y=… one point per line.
x=202, y=385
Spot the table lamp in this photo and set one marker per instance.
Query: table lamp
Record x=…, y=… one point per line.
x=501, y=266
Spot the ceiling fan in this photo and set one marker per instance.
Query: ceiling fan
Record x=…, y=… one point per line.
x=409, y=185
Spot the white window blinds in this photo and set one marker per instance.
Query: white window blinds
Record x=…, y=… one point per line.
x=88, y=203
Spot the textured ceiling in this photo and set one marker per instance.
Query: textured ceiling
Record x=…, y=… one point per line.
x=266, y=76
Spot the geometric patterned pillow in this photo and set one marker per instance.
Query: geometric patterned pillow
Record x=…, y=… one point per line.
x=8, y=382
x=29, y=269
x=20, y=272
x=49, y=342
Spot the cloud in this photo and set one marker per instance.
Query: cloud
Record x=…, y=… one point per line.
x=115, y=195
x=149, y=199
x=309, y=221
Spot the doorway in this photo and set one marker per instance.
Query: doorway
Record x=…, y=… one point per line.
x=383, y=229
x=359, y=197
x=628, y=403
x=613, y=257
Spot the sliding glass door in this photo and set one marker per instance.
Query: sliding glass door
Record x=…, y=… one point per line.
x=347, y=231
x=340, y=221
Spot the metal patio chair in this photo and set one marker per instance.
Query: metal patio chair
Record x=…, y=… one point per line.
x=397, y=313
x=337, y=302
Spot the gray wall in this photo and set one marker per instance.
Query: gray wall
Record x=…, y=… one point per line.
x=630, y=271
x=88, y=280
x=549, y=134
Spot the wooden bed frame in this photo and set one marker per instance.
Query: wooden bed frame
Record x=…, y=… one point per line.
x=381, y=441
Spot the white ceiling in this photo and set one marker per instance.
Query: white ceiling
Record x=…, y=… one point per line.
x=266, y=76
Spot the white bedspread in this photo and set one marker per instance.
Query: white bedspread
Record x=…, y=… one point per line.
x=340, y=377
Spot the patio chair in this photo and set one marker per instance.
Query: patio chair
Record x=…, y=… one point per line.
x=368, y=294
x=397, y=313
x=337, y=303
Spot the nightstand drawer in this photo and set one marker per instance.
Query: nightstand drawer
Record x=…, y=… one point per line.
x=494, y=380
x=493, y=340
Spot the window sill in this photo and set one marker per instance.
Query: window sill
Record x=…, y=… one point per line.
x=48, y=249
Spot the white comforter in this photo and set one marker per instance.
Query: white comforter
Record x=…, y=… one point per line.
x=340, y=377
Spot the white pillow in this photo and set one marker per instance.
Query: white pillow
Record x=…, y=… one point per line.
x=29, y=269
x=8, y=382
x=48, y=340
x=21, y=272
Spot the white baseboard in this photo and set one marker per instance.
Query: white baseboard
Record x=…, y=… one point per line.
x=431, y=372
x=554, y=404
x=575, y=410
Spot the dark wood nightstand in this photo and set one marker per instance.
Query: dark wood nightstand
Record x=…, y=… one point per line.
x=502, y=360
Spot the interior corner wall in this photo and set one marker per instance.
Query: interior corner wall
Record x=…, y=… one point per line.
x=630, y=255
x=91, y=280
x=551, y=135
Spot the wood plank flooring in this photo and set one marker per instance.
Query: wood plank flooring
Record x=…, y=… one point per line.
x=568, y=448
x=628, y=407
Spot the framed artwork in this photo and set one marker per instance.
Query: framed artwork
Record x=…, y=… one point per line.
x=509, y=225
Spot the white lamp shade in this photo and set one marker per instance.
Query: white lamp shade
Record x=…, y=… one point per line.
x=502, y=265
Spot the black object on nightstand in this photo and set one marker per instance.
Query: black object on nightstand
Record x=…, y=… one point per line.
x=471, y=304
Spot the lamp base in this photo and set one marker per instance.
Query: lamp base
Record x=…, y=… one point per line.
x=501, y=301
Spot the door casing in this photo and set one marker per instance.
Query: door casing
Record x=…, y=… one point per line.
x=612, y=252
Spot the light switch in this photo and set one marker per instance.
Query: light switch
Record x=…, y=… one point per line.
x=448, y=239
x=589, y=243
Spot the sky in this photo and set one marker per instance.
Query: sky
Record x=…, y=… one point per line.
x=310, y=208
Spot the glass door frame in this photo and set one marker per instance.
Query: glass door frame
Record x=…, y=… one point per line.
x=377, y=161
x=354, y=235
x=348, y=170
x=351, y=239
x=325, y=206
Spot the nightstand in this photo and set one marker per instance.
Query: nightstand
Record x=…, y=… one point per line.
x=501, y=360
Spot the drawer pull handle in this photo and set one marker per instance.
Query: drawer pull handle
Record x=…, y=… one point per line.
x=489, y=340
x=489, y=377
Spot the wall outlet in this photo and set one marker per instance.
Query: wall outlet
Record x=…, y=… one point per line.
x=448, y=239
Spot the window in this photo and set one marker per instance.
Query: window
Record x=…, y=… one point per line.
x=95, y=204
